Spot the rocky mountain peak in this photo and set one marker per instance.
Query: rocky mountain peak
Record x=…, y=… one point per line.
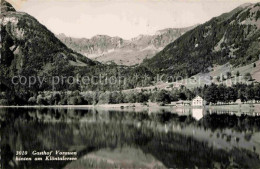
x=6, y=7
x=108, y=49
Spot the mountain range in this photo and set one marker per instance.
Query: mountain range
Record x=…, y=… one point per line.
x=117, y=50
x=28, y=48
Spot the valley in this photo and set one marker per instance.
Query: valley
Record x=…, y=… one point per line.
x=115, y=50
x=223, y=51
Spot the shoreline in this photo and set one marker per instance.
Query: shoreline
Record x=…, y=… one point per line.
x=48, y=106
x=129, y=105
x=138, y=107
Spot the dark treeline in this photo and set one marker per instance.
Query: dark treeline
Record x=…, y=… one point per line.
x=211, y=93
x=222, y=93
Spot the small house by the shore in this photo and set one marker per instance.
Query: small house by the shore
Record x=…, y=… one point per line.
x=198, y=101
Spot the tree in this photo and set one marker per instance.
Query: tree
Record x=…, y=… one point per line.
x=241, y=95
x=163, y=96
x=40, y=100
x=80, y=100
x=88, y=98
x=114, y=97
x=75, y=100
x=211, y=94
x=229, y=75
x=50, y=99
x=257, y=91
x=237, y=73
x=182, y=96
x=250, y=93
x=248, y=77
x=105, y=98
x=222, y=91
x=141, y=97
x=120, y=97
x=230, y=95
x=131, y=98
x=218, y=78
x=223, y=78
x=95, y=96
x=56, y=98
x=32, y=100
x=72, y=100
x=3, y=102
x=63, y=101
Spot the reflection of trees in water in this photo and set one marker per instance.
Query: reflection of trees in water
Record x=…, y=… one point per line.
x=238, y=123
x=209, y=121
x=26, y=131
x=174, y=150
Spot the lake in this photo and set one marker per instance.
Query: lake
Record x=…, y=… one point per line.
x=129, y=138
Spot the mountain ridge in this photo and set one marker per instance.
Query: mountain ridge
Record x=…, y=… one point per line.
x=29, y=48
x=232, y=36
x=117, y=50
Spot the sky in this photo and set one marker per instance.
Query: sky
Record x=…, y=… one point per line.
x=123, y=18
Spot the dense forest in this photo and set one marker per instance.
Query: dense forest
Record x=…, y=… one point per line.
x=211, y=93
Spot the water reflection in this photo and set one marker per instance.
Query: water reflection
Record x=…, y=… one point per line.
x=197, y=113
x=180, y=138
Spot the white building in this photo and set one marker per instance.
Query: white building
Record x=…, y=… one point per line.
x=198, y=101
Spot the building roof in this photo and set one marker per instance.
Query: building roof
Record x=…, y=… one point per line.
x=198, y=97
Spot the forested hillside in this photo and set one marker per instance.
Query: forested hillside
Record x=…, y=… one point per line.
x=232, y=37
x=28, y=47
x=34, y=57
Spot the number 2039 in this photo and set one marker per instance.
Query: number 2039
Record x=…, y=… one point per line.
x=21, y=153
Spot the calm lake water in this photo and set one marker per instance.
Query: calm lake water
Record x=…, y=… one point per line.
x=172, y=138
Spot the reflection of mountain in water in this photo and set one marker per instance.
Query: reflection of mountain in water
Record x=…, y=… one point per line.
x=120, y=157
x=170, y=139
